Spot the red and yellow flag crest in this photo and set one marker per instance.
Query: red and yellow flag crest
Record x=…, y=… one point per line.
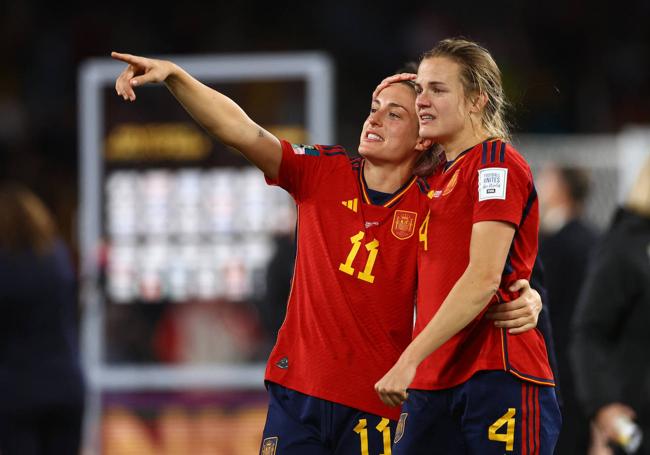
x=403, y=224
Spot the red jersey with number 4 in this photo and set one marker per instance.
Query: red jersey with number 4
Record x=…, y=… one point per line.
x=489, y=182
x=350, y=311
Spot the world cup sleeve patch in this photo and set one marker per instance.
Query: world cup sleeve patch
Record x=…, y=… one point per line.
x=269, y=446
x=300, y=149
x=492, y=183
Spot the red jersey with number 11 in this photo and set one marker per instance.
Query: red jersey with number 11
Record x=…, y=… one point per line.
x=489, y=182
x=350, y=311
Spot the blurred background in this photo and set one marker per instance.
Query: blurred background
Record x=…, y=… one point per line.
x=576, y=74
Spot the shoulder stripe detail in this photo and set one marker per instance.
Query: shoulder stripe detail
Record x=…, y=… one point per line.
x=502, y=153
x=330, y=148
x=493, y=152
x=317, y=150
x=484, y=155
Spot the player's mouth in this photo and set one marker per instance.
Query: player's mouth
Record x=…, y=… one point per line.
x=373, y=137
x=425, y=118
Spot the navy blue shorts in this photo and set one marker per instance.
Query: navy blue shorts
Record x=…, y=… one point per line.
x=491, y=413
x=299, y=424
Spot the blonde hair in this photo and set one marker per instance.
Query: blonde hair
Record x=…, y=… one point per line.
x=639, y=197
x=25, y=224
x=479, y=75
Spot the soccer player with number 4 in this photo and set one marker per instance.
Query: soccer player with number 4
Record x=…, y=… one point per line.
x=350, y=311
x=468, y=387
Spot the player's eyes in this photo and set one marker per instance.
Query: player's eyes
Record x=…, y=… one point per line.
x=393, y=115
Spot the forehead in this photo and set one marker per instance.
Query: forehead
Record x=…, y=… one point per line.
x=438, y=69
x=398, y=94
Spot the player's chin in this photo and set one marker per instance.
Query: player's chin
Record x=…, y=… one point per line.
x=369, y=150
x=429, y=131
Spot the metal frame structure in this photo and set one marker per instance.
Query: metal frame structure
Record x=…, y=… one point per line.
x=95, y=75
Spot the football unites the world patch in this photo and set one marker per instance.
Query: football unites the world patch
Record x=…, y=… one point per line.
x=403, y=224
x=269, y=446
x=492, y=183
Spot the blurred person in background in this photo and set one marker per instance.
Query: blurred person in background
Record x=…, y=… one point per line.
x=611, y=325
x=41, y=386
x=350, y=309
x=566, y=241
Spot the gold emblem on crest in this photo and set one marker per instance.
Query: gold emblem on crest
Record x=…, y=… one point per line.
x=269, y=445
x=399, y=431
x=403, y=224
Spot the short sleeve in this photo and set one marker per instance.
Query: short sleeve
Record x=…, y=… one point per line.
x=502, y=187
x=301, y=168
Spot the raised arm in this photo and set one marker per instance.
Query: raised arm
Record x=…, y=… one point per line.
x=215, y=112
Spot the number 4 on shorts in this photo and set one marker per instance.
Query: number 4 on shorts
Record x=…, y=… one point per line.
x=509, y=436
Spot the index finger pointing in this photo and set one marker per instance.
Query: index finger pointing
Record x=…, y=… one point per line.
x=127, y=58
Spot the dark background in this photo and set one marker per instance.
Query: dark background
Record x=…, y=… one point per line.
x=571, y=66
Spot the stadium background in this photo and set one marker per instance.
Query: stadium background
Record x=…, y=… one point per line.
x=572, y=69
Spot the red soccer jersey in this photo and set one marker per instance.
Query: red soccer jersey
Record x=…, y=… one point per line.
x=350, y=311
x=489, y=182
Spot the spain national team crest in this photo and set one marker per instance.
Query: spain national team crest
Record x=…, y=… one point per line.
x=403, y=224
x=399, y=431
x=269, y=445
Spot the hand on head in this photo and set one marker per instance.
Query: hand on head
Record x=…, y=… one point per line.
x=392, y=80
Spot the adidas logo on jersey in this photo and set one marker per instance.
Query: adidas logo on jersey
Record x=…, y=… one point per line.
x=351, y=204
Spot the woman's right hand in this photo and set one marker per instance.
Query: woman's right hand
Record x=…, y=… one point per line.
x=401, y=77
x=139, y=71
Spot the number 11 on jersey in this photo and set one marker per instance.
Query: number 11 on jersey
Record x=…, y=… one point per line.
x=372, y=247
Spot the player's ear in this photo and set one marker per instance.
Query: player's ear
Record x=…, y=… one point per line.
x=477, y=103
x=423, y=144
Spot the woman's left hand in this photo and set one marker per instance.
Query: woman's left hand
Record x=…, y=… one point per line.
x=519, y=315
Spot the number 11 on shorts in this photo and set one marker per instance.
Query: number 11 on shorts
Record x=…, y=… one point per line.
x=362, y=430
